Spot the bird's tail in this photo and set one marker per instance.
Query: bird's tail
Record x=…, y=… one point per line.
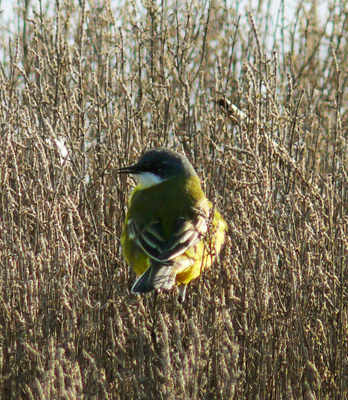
x=155, y=277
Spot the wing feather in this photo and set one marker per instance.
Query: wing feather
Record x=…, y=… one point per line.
x=186, y=233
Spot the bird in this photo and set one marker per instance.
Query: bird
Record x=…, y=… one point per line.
x=172, y=232
x=231, y=110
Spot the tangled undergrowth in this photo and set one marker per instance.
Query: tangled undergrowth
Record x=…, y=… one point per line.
x=84, y=89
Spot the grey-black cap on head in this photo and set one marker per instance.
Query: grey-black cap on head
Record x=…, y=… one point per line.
x=162, y=162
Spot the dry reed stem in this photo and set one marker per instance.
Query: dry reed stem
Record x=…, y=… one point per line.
x=83, y=90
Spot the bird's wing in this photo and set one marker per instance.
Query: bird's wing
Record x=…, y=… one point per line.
x=148, y=236
x=186, y=233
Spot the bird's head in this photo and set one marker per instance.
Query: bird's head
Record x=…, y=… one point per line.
x=157, y=165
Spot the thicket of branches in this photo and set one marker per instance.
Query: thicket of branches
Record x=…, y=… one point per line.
x=84, y=89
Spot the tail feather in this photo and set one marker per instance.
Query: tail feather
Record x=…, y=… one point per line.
x=155, y=277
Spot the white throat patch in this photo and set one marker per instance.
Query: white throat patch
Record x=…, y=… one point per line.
x=147, y=179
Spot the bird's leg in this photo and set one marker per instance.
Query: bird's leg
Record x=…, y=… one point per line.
x=182, y=293
x=154, y=319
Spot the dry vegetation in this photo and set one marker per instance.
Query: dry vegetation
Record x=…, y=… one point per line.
x=269, y=322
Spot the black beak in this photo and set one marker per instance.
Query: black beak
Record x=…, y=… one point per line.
x=131, y=169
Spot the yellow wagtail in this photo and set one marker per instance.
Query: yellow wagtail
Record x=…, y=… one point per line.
x=171, y=232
